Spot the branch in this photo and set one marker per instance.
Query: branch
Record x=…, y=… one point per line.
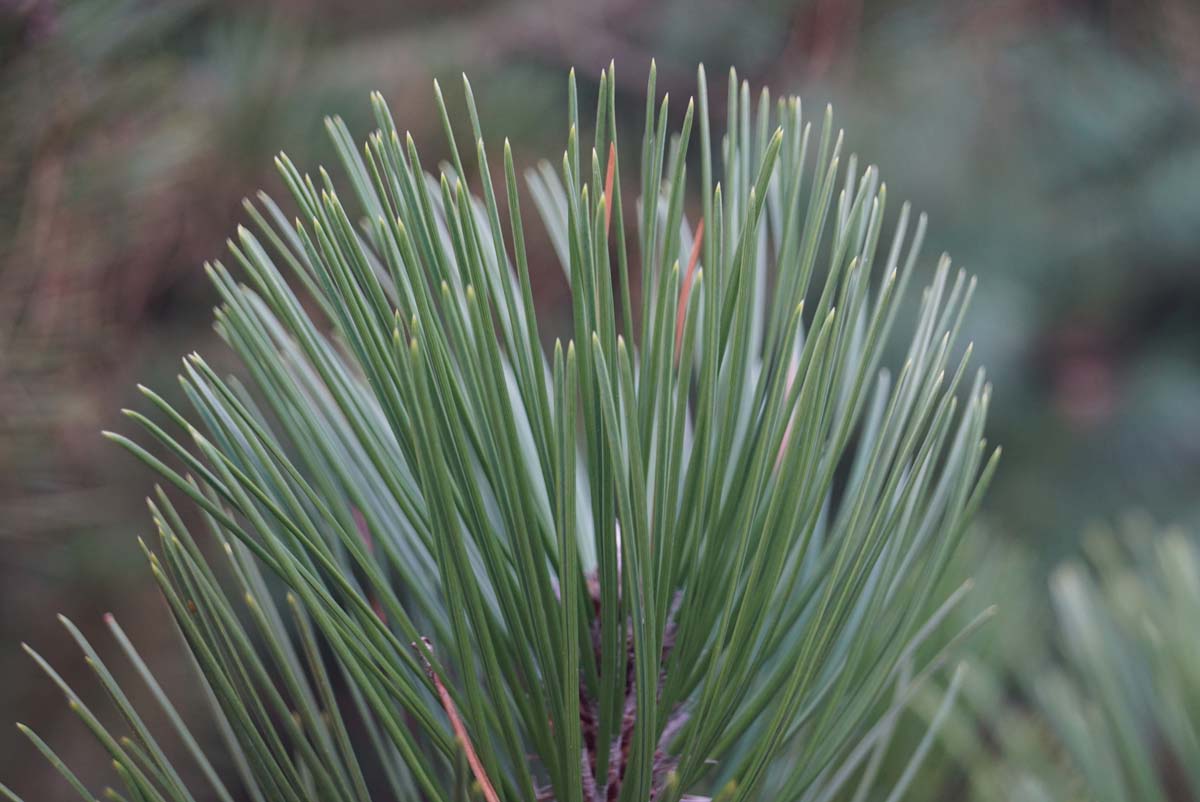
x=460, y=731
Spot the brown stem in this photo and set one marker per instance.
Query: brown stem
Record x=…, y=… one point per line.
x=460, y=732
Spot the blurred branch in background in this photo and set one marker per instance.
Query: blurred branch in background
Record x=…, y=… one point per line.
x=1099, y=700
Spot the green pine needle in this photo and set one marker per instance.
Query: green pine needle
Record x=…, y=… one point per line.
x=689, y=552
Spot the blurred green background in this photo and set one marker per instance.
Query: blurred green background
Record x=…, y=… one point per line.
x=1055, y=145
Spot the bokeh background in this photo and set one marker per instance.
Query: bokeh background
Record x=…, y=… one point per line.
x=1055, y=145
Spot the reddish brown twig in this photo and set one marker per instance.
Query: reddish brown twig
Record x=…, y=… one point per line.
x=608, y=186
x=687, y=285
x=460, y=732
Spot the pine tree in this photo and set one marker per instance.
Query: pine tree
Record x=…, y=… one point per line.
x=691, y=551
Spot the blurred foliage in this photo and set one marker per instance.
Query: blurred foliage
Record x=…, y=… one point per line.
x=1127, y=706
x=1055, y=143
x=1100, y=699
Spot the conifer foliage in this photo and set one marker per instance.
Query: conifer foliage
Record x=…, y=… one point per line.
x=689, y=550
